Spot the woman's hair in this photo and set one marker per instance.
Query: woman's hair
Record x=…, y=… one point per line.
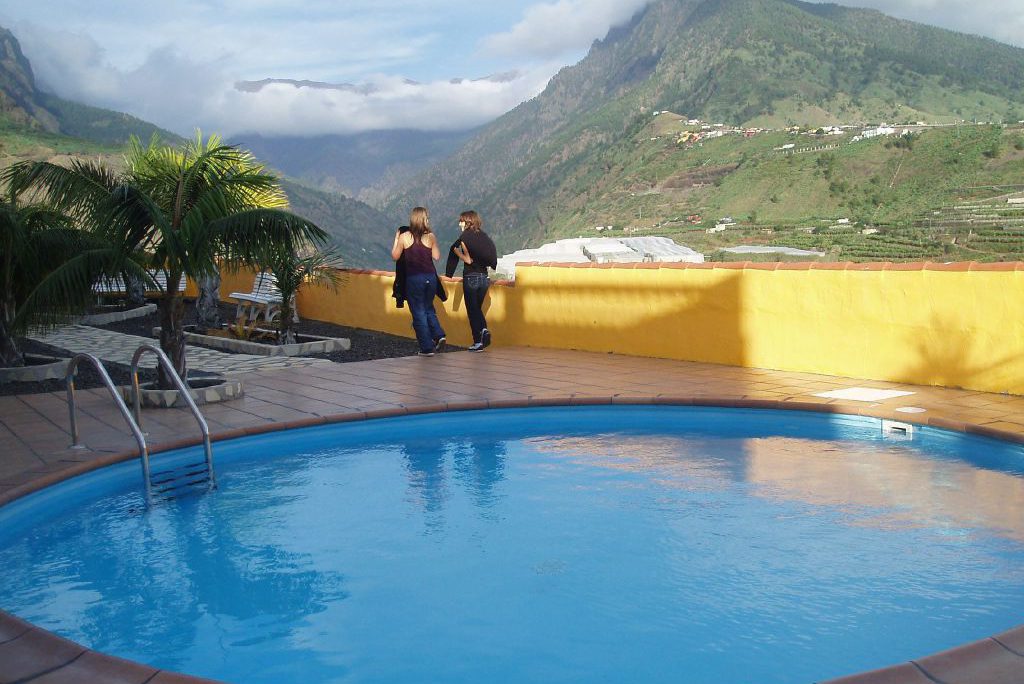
x=419, y=221
x=472, y=220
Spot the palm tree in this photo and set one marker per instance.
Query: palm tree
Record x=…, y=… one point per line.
x=182, y=210
x=294, y=268
x=46, y=267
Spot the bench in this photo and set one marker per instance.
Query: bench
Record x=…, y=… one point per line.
x=105, y=286
x=264, y=301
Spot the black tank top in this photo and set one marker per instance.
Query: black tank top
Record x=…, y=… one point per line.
x=418, y=259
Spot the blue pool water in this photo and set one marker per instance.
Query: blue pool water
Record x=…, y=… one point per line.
x=646, y=544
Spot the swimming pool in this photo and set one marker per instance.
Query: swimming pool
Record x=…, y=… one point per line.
x=572, y=544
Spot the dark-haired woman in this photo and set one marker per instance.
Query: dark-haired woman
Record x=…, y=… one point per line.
x=477, y=252
x=418, y=248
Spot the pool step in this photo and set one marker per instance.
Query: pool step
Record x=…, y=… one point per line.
x=169, y=484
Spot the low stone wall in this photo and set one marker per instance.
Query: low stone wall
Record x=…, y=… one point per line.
x=117, y=316
x=952, y=325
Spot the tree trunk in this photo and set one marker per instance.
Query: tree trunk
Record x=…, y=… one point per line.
x=207, y=311
x=135, y=288
x=10, y=355
x=172, y=338
x=285, y=324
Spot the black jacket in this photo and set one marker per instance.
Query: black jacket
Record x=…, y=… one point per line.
x=481, y=248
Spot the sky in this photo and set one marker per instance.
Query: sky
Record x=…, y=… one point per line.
x=424, y=64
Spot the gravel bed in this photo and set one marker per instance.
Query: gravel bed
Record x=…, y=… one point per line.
x=86, y=376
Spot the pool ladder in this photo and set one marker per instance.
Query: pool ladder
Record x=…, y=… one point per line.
x=167, y=483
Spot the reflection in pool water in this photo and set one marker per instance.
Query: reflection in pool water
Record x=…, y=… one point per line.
x=619, y=544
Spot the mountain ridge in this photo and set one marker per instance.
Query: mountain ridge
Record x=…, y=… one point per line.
x=744, y=62
x=22, y=103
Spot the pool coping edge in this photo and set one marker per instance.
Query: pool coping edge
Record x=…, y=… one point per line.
x=987, y=661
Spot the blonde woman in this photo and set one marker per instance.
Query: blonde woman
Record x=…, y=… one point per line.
x=418, y=248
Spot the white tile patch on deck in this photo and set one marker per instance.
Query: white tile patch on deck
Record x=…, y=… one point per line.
x=862, y=394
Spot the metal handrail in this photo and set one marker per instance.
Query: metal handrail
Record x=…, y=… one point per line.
x=121, y=406
x=183, y=390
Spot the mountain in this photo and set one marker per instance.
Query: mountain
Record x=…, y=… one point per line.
x=18, y=94
x=361, y=233
x=767, y=63
x=22, y=104
x=364, y=165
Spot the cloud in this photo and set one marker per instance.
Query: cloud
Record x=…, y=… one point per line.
x=1002, y=20
x=388, y=102
x=180, y=94
x=567, y=26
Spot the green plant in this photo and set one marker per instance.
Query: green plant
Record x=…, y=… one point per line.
x=179, y=209
x=46, y=267
x=242, y=329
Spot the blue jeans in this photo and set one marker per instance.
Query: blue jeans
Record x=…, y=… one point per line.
x=420, y=289
x=474, y=289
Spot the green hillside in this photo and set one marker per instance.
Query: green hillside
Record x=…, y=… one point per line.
x=101, y=125
x=767, y=63
x=917, y=191
x=22, y=143
x=363, y=165
x=361, y=233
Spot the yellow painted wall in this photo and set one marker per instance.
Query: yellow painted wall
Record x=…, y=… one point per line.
x=958, y=325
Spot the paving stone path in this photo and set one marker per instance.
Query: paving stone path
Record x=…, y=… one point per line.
x=119, y=348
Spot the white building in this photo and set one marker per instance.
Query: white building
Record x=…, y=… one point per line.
x=600, y=251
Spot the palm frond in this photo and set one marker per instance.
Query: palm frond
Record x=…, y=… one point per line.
x=65, y=290
x=249, y=235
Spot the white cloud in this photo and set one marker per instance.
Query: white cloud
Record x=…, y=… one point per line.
x=563, y=27
x=180, y=94
x=285, y=109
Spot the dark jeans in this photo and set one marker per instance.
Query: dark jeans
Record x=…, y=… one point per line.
x=474, y=289
x=420, y=289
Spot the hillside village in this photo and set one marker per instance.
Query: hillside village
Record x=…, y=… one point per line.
x=696, y=131
x=686, y=163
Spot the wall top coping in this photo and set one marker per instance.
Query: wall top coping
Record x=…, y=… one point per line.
x=956, y=266
x=391, y=274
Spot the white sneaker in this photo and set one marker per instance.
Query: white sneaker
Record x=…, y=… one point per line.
x=485, y=337
x=476, y=347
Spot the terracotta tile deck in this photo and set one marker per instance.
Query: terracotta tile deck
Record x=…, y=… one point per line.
x=34, y=452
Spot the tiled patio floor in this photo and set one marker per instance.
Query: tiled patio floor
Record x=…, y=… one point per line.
x=34, y=434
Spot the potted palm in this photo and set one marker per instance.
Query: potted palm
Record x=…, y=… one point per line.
x=294, y=268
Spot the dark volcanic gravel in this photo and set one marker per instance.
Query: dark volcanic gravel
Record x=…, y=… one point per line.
x=366, y=345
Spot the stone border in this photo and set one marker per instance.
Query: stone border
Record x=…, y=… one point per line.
x=320, y=345
x=48, y=371
x=225, y=390
x=117, y=316
x=996, y=660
